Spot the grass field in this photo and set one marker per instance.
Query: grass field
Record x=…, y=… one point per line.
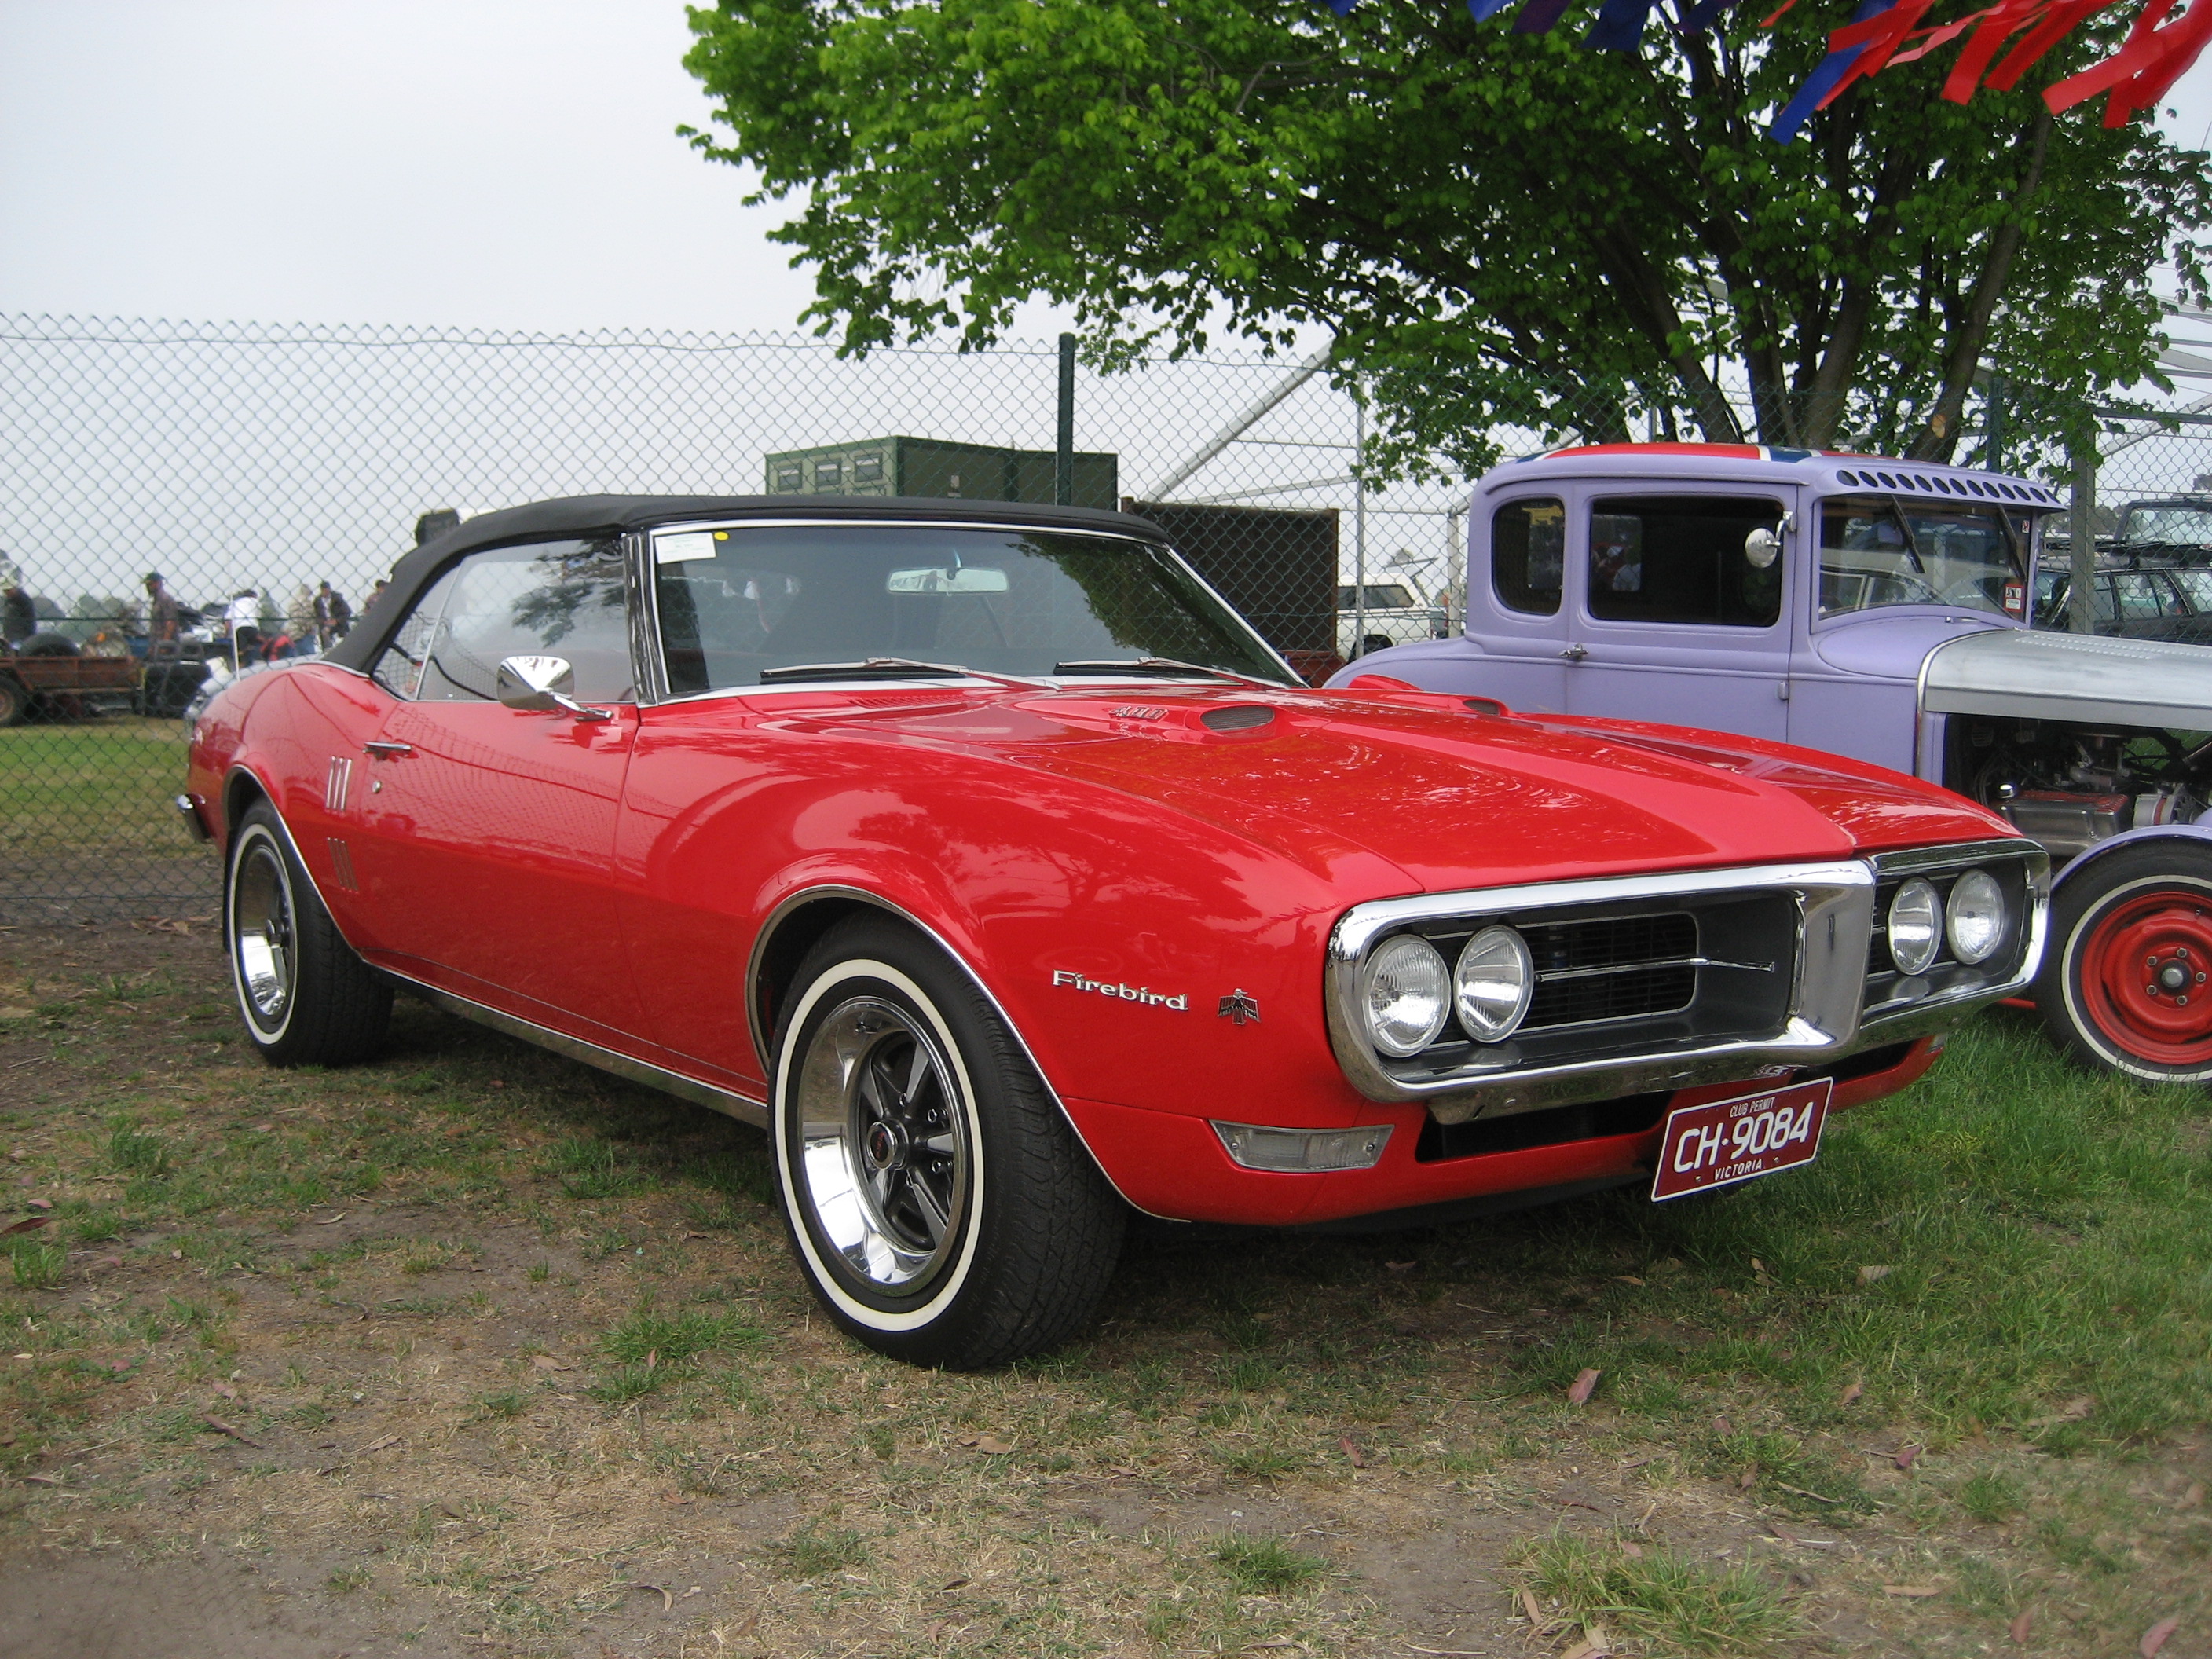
x=94, y=784
x=476, y=1348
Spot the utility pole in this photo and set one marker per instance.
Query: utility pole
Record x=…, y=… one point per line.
x=1063, y=466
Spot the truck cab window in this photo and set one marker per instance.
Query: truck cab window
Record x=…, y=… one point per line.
x=1680, y=559
x=1528, y=555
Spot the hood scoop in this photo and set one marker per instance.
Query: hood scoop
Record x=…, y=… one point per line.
x=1244, y=717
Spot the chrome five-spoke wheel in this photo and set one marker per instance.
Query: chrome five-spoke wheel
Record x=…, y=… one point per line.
x=307, y=998
x=939, y=1205
x=262, y=933
x=884, y=1145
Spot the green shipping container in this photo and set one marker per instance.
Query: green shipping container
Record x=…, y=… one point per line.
x=932, y=467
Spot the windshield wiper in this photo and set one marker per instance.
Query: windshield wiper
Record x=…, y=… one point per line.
x=1161, y=665
x=889, y=668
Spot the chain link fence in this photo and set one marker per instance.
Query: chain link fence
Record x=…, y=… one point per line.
x=270, y=476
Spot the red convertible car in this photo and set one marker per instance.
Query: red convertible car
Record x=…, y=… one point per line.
x=989, y=862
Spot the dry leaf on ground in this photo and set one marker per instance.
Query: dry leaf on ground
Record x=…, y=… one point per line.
x=1852, y=1392
x=1912, y=1590
x=2154, y=1637
x=1585, y=1382
x=2020, y=1626
x=1868, y=1275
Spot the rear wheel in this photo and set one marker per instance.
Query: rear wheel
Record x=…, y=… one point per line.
x=941, y=1208
x=14, y=700
x=307, y=1000
x=2128, y=986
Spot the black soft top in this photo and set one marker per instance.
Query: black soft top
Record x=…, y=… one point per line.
x=576, y=517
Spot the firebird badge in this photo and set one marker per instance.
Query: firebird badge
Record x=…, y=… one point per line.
x=1241, y=1007
x=1180, y=1002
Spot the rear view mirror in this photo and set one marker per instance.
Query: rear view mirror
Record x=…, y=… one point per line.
x=1762, y=547
x=967, y=580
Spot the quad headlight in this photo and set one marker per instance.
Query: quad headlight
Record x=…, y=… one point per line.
x=1405, y=994
x=1916, y=925
x=1974, y=921
x=1492, y=984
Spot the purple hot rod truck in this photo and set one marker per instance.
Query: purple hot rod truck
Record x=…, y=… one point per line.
x=1877, y=609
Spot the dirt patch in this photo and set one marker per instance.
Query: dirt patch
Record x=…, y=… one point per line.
x=474, y=1351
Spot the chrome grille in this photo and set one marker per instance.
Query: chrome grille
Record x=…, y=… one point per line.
x=1615, y=967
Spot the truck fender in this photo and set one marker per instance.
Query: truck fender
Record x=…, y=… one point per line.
x=2130, y=838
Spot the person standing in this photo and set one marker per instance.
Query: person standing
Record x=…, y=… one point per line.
x=19, y=617
x=160, y=611
x=299, y=621
x=243, y=615
x=333, y=616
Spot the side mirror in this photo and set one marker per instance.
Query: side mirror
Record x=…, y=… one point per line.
x=542, y=685
x=1762, y=547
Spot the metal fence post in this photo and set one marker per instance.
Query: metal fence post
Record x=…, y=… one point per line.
x=1063, y=474
x=1456, y=571
x=2081, y=613
x=1358, y=527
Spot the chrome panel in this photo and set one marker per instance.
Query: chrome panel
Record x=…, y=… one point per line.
x=189, y=809
x=2071, y=677
x=1835, y=904
x=1886, y=1022
x=741, y=1107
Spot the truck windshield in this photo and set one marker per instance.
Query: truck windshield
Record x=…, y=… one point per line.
x=1876, y=551
x=749, y=603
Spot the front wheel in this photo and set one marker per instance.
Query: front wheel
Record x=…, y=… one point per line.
x=2128, y=985
x=307, y=1000
x=942, y=1210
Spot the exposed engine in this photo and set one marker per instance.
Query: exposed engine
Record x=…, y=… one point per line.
x=2071, y=786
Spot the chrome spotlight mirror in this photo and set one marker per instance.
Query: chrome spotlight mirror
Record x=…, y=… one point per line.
x=1762, y=547
x=542, y=685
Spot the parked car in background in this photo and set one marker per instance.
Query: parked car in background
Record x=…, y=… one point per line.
x=1012, y=883
x=2153, y=604
x=2175, y=529
x=1393, y=614
x=1877, y=609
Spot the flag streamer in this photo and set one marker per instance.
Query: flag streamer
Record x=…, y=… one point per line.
x=2158, y=51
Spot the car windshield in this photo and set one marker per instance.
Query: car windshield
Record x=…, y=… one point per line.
x=2177, y=525
x=739, y=603
x=1876, y=551
x=1380, y=596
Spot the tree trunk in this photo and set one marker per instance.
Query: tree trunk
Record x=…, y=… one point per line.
x=1939, y=436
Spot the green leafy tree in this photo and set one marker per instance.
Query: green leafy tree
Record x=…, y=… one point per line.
x=1495, y=228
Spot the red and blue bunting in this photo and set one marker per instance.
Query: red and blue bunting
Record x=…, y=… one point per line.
x=2159, y=49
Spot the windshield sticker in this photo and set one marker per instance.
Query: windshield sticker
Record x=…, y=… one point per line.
x=684, y=546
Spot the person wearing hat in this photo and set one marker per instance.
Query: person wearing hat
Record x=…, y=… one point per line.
x=161, y=611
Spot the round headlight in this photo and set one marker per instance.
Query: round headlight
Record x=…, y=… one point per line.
x=1975, y=918
x=1916, y=927
x=1492, y=986
x=1406, y=990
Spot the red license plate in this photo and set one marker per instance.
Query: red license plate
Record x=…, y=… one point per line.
x=1725, y=1141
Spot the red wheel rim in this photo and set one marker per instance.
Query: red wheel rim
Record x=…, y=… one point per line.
x=2144, y=971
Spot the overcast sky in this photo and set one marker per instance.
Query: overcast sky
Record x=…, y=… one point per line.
x=504, y=164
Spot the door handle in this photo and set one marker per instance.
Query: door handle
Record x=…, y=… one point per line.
x=1575, y=653
x=386, y=751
